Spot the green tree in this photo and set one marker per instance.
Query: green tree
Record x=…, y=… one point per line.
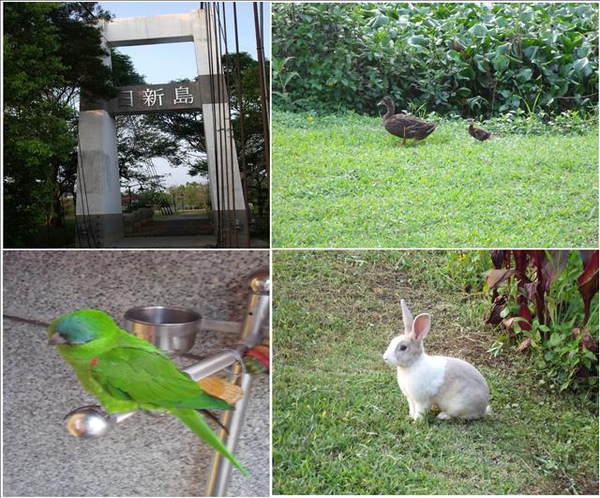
x=192, y=195
x=32, y=69
x=51, y=53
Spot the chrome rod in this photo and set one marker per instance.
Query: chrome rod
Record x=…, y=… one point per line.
x=233, y=420
x=252, y=332
x=213, y=364
x=220, y=326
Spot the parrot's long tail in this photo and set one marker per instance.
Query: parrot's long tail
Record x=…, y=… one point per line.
x=198, y=425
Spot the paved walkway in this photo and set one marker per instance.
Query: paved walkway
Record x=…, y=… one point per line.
x=183, y=242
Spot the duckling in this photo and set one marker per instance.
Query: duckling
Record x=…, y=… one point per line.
x=478, y=133
x=403, y=126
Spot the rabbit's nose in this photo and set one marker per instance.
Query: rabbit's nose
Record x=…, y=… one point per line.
x=390, y=358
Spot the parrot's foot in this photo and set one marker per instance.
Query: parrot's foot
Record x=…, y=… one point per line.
x=88, y=408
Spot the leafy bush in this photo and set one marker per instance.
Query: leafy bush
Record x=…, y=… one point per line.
x=474, y=59
x=548, y=311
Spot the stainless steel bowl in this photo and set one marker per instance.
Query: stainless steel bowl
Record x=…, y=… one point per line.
x=169, y=328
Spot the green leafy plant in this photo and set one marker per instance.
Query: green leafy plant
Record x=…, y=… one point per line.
x=471, y=58
x=281, y=82
x=536, y=301
x=567, y=362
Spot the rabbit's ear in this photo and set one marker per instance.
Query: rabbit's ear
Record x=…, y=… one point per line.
x=421, y=326
x=406, y=317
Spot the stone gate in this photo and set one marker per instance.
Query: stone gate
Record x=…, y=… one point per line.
x=99, y=215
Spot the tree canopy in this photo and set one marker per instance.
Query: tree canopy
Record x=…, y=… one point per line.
x=51, y=52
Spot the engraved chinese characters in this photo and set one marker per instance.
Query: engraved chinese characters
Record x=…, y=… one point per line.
x=150, y=97
x=183, y=95
x=159, y=98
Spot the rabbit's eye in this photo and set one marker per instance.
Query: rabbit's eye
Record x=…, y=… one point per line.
x=402, y=348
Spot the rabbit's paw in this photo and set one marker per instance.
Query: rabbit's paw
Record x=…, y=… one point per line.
x=419, y=418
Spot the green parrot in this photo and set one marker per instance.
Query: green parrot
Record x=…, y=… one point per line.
x=126, y=373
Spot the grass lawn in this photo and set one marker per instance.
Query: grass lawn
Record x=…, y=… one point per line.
x=340, y=423
x=344, y=182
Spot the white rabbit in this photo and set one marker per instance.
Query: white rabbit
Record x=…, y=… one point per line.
x=453, y=385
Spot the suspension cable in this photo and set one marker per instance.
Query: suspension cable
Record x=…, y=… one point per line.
x=238, y=72
x=209, y=35
x=263, y=88
x=221, y=120
x=90, y=234
x=228, y=134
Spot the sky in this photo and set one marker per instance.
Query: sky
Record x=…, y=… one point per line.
x=166, y=62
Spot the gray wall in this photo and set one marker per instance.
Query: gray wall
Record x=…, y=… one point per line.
x=145, y=455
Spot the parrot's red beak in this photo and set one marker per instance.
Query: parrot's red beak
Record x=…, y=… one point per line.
x=56, y=339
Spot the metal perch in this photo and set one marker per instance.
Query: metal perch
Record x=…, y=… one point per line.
x=257, y=312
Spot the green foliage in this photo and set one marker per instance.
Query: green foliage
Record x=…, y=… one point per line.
x=325, y=44
x=283, y=79
x=566, y=364
x=35, y=128
x=192, y=195
x=50, y=51
x=81, y=49
x=572, y=122
x=471, y=58
x=123, y=71
x=138, y=143
x=31, y=57
x=544, y=314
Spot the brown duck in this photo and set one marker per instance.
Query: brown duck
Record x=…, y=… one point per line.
x=478, y=133
x=403, y=126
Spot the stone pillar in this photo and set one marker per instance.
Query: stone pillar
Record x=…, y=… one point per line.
x=227, y=197
x=99, y=216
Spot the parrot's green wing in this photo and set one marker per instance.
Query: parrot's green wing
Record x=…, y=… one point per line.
x=149, y=379
x=152, y=380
